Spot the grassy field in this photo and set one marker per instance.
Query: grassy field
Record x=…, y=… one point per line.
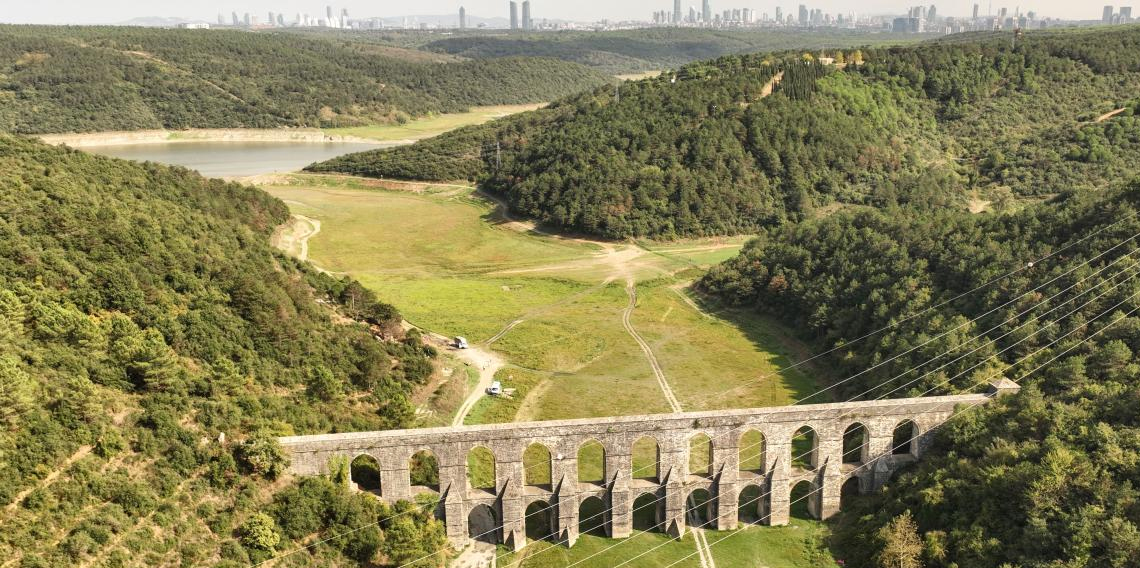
x=429, y=126
x=800, y=544
x=552, y=306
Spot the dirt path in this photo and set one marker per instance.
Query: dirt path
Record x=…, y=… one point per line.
x=488, y=363
x=631, y=289
x=771, y=86
x=51, y=477
x=477, y=555
x=1109, y=115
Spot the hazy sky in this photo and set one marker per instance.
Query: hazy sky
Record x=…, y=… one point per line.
x=114, y=11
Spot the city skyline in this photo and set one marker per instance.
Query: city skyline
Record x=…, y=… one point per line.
x=118, y=11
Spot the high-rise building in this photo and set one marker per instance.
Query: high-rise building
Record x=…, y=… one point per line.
x=1125, y=14
x=975, y=11
x=779, y=15
x=804, y=15
x=1107, y=17
x=462, y=18
x=526, y=21
x=236, y=22
x=676, y=11
x=706, y=12
x=280, y=20
x=932, y=13
x=514, y=15
x=248, y=21
x=692, y=15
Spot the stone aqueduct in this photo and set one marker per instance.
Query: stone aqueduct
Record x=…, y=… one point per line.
x=769, y=486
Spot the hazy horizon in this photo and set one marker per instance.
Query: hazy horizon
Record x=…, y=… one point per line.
x=118, y=11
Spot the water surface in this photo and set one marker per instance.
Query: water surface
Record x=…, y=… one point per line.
x=233, y=159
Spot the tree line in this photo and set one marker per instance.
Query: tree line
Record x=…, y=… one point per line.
x=91, y=79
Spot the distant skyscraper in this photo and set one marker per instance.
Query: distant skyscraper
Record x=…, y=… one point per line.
x=248, y=21
x=236, y=21
x=280, y=20
x=272, y=20
x=1107, y=18
x=526, y=21
x=706, y=12
x=779, y=15
x=975, y=11
x=1125, y=14
x=514, y=15
x=221, y=19
x=676, y=11
x=804, y=15
x=462, y=18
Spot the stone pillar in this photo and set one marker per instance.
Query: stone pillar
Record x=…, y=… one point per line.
x=673, y=469
x=831, y=470
x=394, y=475
x=564, y=482
x=726, y=468
x=619, y=473
x=509, y=487
x=881, y=434
x=778, y=466
x=452, y=489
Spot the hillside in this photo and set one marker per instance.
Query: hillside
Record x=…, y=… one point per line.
x=88, y=79
x=1046, y=478
x=630, y=51
x=702, y=151
x=152, y=344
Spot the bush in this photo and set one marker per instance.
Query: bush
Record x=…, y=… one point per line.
x=259, y=532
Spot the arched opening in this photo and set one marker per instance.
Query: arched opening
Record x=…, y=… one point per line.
x=647, y=513
x=592, y=462
x=849, y=490
x=536, y=465
x=423, y=471
x=482, y=525
x=752, y=506
x=805, y=448
x=481, y=469
x=752, y=451
x=905, y=439
x=646, y=459
x=365, y=473
x=539, y=525
x=805, y=501
x=700, y=509
x=700, y=455
x=855, y=444
x=592, y=517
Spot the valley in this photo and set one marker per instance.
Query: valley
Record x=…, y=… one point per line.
x=557, y=309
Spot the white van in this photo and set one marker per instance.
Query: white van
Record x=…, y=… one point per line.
x=495, y=389
x=461, y=343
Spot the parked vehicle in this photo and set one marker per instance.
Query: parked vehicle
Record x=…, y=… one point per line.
x=495, y=389
x=461, y=343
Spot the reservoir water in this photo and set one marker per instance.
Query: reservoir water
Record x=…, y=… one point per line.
x=234, y=159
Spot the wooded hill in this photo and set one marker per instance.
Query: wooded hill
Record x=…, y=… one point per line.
x=630, y=51
x=144, y=315
x=702, y=152
x=88, y=79
x=1045, y=478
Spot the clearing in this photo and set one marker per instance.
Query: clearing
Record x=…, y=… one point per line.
x=561, y=320
x=429, y=126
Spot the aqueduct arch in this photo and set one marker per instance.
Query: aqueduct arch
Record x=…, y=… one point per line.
x=610, y=442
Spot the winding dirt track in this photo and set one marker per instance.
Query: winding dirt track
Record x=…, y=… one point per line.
x=658, y=372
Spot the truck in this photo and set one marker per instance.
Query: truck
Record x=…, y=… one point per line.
x=461, y=343
x=495, y=389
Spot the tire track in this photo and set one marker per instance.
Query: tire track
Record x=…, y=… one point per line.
x=631, y=290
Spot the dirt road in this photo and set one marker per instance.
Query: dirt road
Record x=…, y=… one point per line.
x=658, y=372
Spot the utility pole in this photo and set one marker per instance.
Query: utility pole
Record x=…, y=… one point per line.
x=498, y=155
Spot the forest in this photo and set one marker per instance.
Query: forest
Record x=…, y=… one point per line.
x=703, y=151
x=153, y=345
x=947, y=301
x=91, y=79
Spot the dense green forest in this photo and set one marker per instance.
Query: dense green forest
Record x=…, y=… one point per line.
x=701, y=151
x=1046, y=478
x=84, y=79
x=651, y=49
x=152, y=346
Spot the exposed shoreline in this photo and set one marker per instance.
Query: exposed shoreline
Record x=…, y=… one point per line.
x=313, y=135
